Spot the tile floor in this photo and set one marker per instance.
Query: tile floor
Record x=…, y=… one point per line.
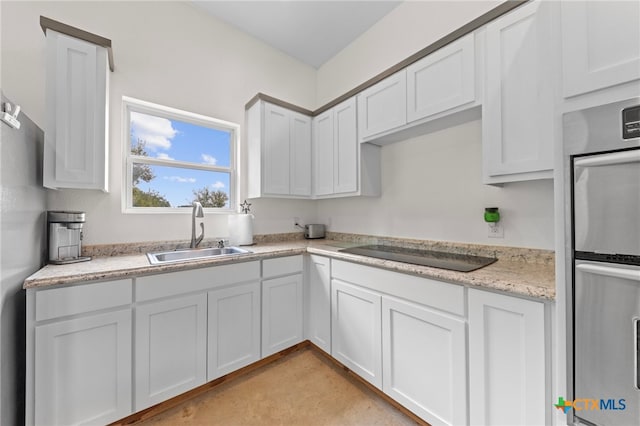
x=303, y=388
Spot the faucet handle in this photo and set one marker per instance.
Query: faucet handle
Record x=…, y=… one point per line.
x=221, y=244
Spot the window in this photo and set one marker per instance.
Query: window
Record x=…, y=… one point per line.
x=174, y=158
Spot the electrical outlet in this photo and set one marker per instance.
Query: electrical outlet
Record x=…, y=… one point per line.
x=496, y=230
x=296, y=221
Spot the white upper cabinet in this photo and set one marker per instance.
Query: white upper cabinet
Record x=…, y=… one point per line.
x=342, y=166
x=442, y=80
x=279, y=157
x=76, y=131
x=323, y=153
x=600, y=44
x=383, y=106
x=518, y=104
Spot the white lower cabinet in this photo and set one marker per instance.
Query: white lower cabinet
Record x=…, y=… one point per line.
x=233, y=329
x=83, y=370
x=170, y=348
x=282, y=303
x=507, y=369
x=319, y=302
x=356, y=338
x=424, y=361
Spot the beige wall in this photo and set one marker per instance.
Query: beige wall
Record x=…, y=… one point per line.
x=431, y=184
x=408, y=28
x=173, y=54
x=165, y=52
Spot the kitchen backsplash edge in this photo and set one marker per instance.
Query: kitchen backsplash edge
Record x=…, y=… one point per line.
x=516, y=254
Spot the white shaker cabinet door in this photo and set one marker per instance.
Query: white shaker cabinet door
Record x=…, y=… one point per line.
x=76, y=137
x=282, y=304
x=233, y=328
x=323, y=162
x=171, y=348
x=424, y=361
x=600, y=44
x=507, y=352
x=300, y=154
x=83, y=370
x=518, y=105
x=356, y=335
x=346, y=148
x=276, y=152
x=319, y=311
x=383, y=106
x=442, y=80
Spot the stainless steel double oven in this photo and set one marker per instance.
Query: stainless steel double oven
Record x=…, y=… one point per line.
x=602, y=161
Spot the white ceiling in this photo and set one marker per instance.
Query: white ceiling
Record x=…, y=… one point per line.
x=309, y=30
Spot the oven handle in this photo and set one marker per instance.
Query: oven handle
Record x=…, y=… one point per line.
x=626, y=274
x=632, y=156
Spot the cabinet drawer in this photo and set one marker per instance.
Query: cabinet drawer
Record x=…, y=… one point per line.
x=178, y=283
x=437, y=294
x=281, y=266
x=81, y=298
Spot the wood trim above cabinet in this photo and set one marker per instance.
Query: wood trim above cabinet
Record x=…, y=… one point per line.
x=469, y=27
x=50, y=24
x=278, y=102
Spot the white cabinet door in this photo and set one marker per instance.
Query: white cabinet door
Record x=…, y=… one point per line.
x=300, y=155
x=600, y=44
x=424, y=361
x=323, y=153
x=356, y=335
x=171, y=348
x=442, y=80
x=507, y=352
x=346, y=146
x=233, y=329
x=383, y=106
x=517, y=111
x=281, y=313
x=319, y=311
x=76, y=149
x=276, y=153
x=83, y=370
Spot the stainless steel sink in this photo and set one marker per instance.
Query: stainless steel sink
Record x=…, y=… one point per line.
x=175, y=256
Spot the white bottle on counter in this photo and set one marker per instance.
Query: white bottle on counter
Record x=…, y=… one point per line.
x=241, y=229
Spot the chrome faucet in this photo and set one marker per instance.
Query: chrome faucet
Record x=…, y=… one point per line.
x=196, y=212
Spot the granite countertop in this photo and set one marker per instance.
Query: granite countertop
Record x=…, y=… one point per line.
x=520, y=273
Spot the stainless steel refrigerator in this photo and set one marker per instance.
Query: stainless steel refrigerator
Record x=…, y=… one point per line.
x=602, y=154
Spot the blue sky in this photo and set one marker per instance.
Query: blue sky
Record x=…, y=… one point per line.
x=177, y=140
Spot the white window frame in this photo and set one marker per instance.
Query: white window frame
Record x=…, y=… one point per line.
x=137, y=105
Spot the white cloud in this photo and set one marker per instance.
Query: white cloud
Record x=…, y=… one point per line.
x=180, y=179
x=156, y=132
x=209, y=159
x=217, y=185
x=164, y=156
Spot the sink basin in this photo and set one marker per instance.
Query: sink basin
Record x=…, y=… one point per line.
x=193, y=254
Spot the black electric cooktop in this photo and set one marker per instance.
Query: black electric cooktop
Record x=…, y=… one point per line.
x=434, y=259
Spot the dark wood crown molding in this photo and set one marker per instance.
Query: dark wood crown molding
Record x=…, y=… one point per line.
x=50, y=24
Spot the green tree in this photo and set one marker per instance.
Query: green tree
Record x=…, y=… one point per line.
x=143, y=172
x=148, y=198
x=209, y=198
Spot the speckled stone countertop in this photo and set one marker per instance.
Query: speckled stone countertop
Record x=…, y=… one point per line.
x=523, y=272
